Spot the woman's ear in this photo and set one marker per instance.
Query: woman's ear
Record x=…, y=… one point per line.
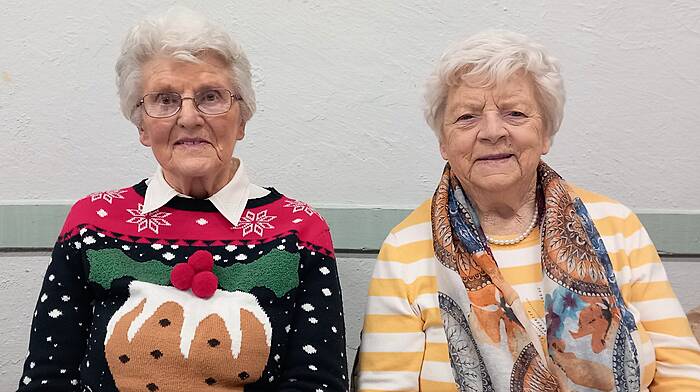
x=241, y=131
x=144, y=137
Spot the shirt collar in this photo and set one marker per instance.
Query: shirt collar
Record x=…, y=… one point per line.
x=230, y=200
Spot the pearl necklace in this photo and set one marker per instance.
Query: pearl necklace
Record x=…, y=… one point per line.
x=519, y=238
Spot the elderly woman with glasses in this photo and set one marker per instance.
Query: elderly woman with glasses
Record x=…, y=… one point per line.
x=194, y=279
x=511, y=278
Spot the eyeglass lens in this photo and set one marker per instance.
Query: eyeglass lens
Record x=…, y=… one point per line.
x=166, y=104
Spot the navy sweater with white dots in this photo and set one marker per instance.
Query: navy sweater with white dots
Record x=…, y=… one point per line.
x=108, y=317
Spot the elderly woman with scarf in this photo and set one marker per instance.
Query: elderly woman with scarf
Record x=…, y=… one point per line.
x=511, y=278
x=195, y=279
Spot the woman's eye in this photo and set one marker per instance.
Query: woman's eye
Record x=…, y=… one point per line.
x=165, y=99
x=211, y=96
x=465, y=117
x=515, y=113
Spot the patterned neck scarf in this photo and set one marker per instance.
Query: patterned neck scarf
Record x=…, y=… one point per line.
x=493, y=344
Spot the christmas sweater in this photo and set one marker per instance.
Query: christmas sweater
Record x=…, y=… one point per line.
x=109, y=318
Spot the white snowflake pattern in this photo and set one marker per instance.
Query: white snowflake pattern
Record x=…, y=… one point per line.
x=255, y=223
x=298, y=206
x=107, y=196
x=201, y=221
x=152, y=220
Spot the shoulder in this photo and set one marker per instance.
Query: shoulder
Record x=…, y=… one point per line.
x=302, y=218
x=97, y=206
x=611, y=217
x=410, y=240
x=419, y=217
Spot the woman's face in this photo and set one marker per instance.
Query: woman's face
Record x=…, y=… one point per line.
x=190, y=144
x=493, y=137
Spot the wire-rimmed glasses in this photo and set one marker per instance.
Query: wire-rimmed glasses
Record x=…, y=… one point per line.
x=166, y=104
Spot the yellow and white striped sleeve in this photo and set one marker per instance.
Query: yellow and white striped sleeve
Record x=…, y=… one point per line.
x=661, y=315
x=393, y=339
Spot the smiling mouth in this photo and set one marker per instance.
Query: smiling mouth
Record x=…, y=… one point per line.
x=495, y=157
x=191, y=142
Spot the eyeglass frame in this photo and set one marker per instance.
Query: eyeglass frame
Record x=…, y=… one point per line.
x=234, y=97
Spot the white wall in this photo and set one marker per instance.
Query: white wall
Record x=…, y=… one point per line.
x=339, y=90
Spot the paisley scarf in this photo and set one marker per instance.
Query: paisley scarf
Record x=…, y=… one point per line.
x=586, y=342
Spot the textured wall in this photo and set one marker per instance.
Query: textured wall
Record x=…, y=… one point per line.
x=21, y=276
x=339, y=90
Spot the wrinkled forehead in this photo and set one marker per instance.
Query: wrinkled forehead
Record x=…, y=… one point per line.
x=479, y=88
x=167, y=73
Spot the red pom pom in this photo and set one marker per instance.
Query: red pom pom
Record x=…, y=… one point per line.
x=201, y=260
x=181, y=276
x=204, y=284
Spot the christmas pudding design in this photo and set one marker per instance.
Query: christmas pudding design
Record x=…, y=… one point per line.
x=164, y=339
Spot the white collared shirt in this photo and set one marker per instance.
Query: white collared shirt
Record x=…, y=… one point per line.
x=230, y=201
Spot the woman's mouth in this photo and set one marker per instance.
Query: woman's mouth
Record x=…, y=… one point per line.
x=192, y=142
x=495, y=157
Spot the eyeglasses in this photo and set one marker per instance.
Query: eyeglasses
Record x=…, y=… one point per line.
x=166, y=104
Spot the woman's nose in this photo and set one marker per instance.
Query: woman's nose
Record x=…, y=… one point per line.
x=492, y=127
x=189, y=116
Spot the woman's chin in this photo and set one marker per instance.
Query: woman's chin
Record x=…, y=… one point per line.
x=196, y=168
x=496, y=182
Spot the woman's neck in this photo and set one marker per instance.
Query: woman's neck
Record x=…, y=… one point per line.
x=203, y=187
x=506, y=213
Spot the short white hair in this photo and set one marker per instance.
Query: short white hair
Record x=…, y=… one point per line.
x=493, y=56
x=184, y=35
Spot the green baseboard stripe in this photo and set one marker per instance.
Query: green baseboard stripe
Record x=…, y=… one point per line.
x=361, y=229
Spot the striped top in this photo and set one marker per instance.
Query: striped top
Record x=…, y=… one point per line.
x=404, y=347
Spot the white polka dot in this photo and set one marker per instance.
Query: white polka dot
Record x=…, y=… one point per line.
x=26, y=380
x=307, y=307
x=102, y=213
x=217, y=257
x=157, y=246
x=31, y=365
x=201, y=221
x=230, y=248
x=168, y=256
x=334, y=329
x=44, y=296
x=55, y=313
x=309, y=349
x=312, y=367
x=326, y=292
x=48, y=338
x=51, y=278
x=313, y=320
x=324, y=270
x=280, y=247
x=65, y=298
x=89, y=240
